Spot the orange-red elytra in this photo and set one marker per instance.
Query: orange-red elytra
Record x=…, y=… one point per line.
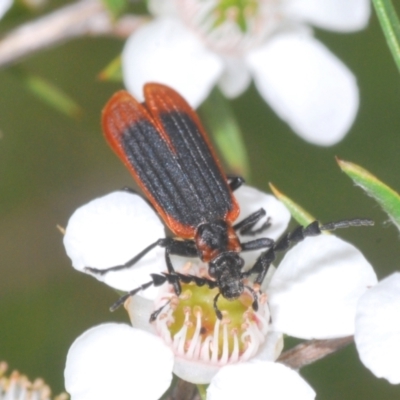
x=163, y=118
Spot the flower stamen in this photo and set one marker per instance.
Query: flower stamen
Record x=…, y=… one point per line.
x=190, y=326
x=19, y=387
x=231, y=27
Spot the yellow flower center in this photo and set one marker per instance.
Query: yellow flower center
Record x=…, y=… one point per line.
x=190, y=325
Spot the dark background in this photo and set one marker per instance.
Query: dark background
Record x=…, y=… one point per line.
x=51, y=164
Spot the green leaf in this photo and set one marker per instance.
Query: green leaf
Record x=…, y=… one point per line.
x=220, y=120
x=116, y=7
x=298, y=213
x=390, y=25
x=112, y=72
x=388, y=199
x=48, y=93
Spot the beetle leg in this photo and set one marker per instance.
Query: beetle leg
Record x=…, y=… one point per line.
x=254, y=305
x=156, y=313
x=264, y=261
x=216, y=309
x=235, y=182
x=179, y=247
x=246, y=227
x=257, y=244
x=157, y=280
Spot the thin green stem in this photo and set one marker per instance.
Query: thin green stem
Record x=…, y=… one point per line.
x=202, y=391
x=47, y=92
x=390, y=24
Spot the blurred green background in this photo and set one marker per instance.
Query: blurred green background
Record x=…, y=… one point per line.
x=51, y=164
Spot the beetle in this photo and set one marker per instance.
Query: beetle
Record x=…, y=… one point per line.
x=164, y=145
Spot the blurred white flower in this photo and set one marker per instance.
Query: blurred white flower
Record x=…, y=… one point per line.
x=377, y=334
x=193, y=45
x=5, y=5
x=313, y=294
x=17, y=386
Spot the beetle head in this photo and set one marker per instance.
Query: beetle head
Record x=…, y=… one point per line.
x=226, y=270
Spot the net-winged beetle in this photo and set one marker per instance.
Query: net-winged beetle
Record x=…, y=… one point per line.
x=166, y=149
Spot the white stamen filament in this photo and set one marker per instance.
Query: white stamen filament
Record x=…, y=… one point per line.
x=235, y=352
x=180, y=337
x=164, y=331
x=196, y=336
x=250, y=338
x=205, y=349
x=225, y=345
x=215, y=342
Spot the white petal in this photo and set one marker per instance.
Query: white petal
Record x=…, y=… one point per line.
x=165, y=51
x=115, y=361
x=315, y=290
x=235, y=79
x=4, y=6
x=272, y=348
x=337, y=15
x=162, y=8
x=377, y=333
x=259, y=380
x=251, y=200
x=307, y=86
x=139, y=310
x=194, y=371
x=111, y=230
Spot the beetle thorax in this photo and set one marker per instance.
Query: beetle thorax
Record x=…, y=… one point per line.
x=215, y=238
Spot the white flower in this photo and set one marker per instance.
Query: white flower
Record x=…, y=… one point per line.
x=194, y=45
x=5, y=5
x=115, y=361
x=317, y=284
x=377, y=334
